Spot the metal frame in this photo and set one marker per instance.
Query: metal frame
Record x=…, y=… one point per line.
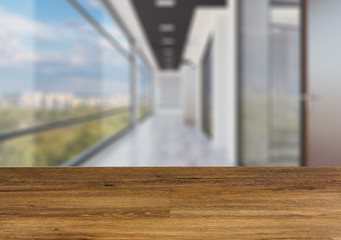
x=239, y=84
x=99, y=28
x=62, y=124
x=118, y=20
x=305, y=83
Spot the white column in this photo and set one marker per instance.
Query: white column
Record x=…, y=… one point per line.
x=232, y=84
x=133, y=86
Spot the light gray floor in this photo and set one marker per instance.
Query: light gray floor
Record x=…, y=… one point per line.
x=162, y=140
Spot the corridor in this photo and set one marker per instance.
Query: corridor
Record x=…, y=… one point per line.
x=162, y=140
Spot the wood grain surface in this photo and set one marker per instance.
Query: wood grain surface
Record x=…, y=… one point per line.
x=170, y=203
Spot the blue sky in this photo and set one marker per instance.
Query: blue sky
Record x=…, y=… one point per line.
x=48, y=46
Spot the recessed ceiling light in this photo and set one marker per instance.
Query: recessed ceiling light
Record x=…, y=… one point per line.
x=167, y=27
x=168, y=54
x=168, y=51
x=169, y=60
x=168, y=41
x=165, y=3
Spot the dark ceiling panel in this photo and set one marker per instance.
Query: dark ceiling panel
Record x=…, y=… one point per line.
x=168, y=46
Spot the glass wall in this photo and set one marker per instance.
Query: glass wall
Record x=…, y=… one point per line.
x=98, y=12
x=144, y=88
x=285, y=84
x=270, y=83
x=58, y=70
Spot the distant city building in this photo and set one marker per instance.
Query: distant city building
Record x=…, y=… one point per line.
x=39, y=100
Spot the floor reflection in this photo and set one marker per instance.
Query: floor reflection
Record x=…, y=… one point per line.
x=162, y=140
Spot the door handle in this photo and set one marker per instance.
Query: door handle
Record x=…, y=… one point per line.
x=309, y=100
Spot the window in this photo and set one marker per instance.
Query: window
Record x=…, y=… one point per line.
x=144, y=88
x=63, y=87
x=96, y=9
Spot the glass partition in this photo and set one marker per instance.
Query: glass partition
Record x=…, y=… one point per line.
x=270, y=83
x=285, y=85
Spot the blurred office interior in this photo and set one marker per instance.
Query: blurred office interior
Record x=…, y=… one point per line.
x=170, y=83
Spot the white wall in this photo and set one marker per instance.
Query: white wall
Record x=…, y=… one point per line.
x=169, y=91
x=221, y=26
x=224, y=83
x=232, y=81
x=221, y=92
x=189, y=94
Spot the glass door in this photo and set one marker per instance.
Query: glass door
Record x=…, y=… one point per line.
x=270, y=83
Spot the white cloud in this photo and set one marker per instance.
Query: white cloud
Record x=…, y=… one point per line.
x=16, y=37
x=68, y=54
x=16, y=25
x=13, y=53
x=20, y=38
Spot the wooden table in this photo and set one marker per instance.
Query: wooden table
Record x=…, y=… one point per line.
x=170, y=203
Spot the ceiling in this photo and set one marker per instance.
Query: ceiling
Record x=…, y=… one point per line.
x=166, y=24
